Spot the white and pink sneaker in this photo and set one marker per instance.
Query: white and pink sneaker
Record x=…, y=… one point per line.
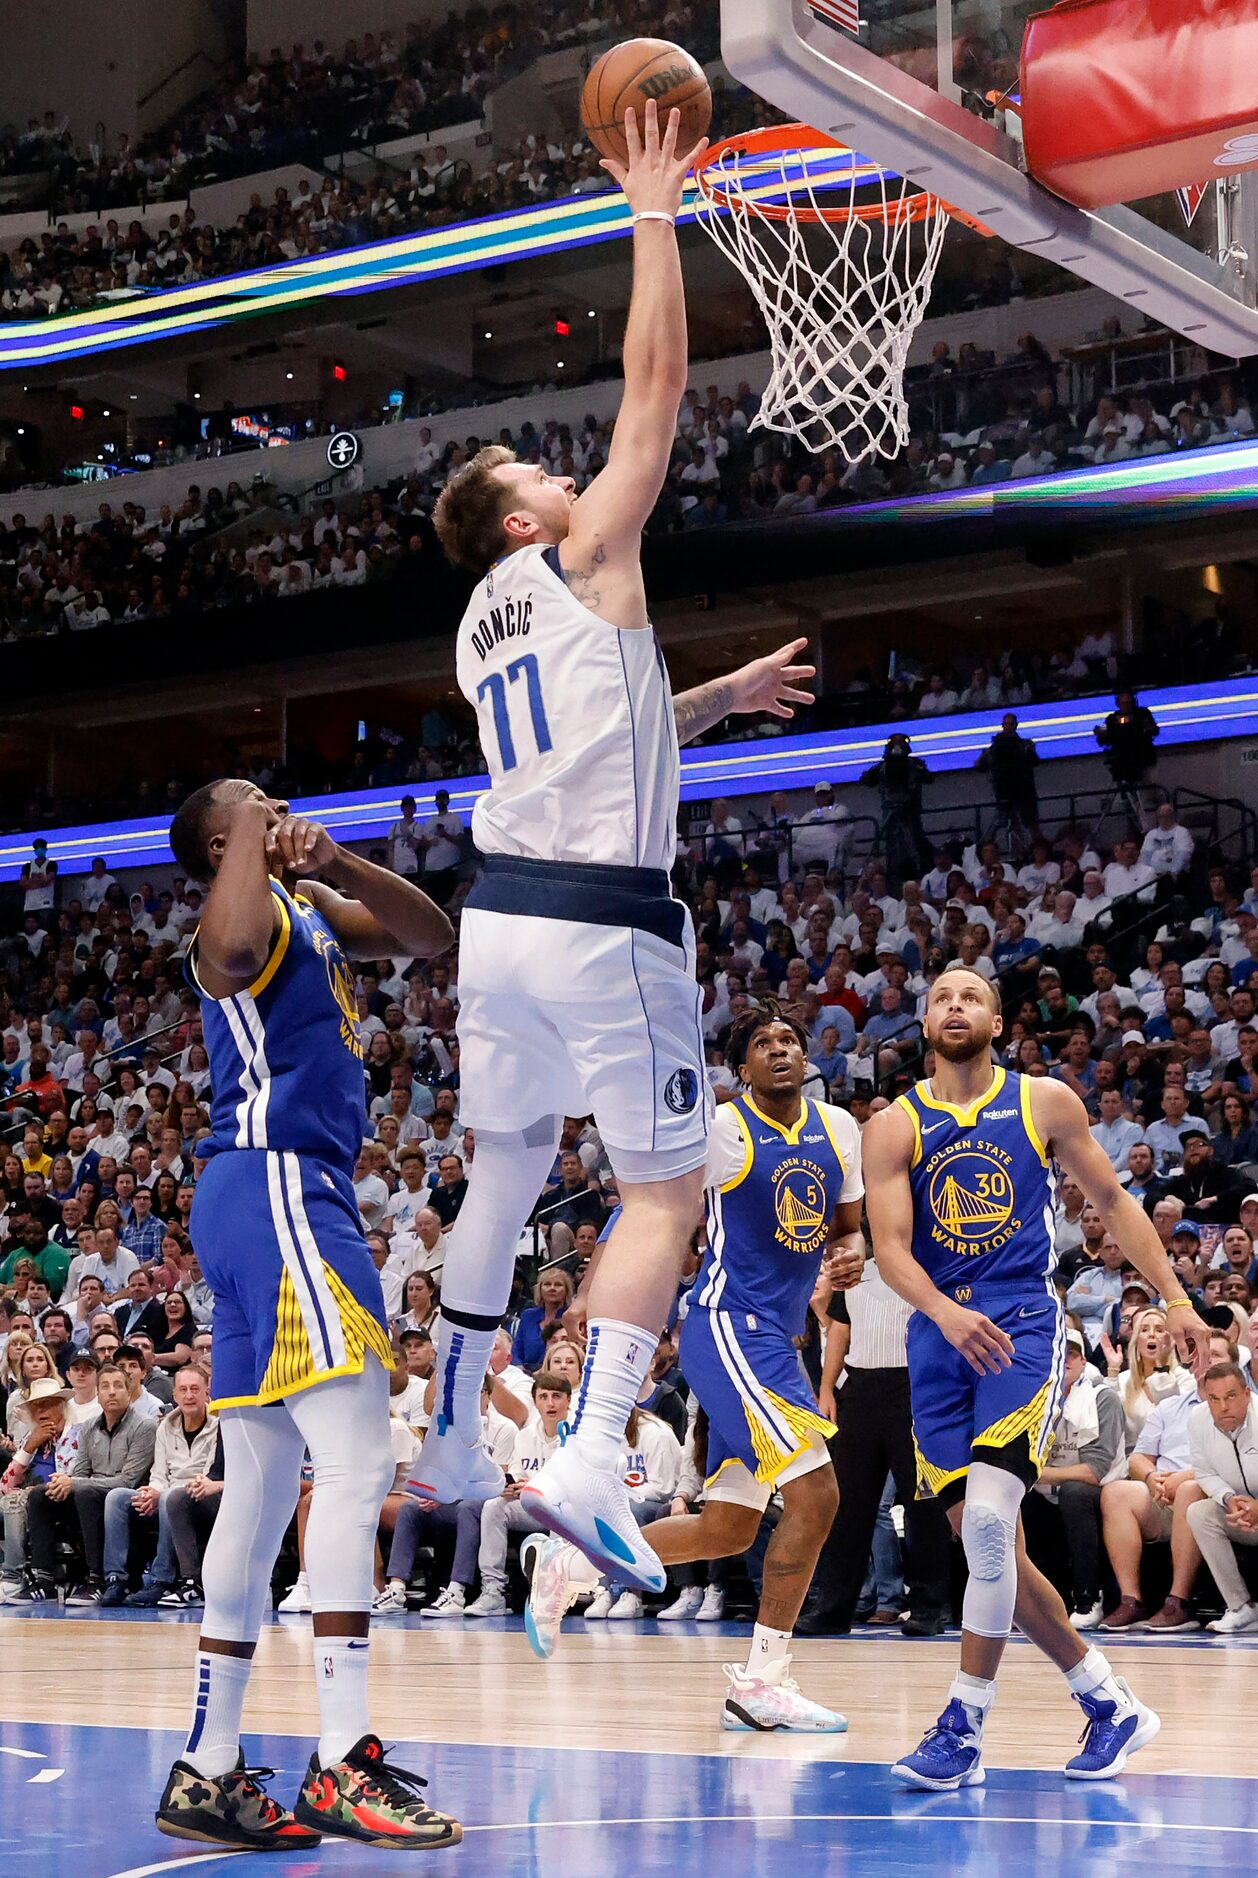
x=558, y=1575
x=755, y=1706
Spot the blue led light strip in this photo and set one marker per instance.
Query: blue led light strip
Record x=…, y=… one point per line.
x=1185, y=713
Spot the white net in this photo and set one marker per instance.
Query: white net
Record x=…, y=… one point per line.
x=841, y=295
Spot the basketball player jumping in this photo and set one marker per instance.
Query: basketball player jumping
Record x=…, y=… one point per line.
x=959, y=1173
x=576, y=967
x=301, y=1347
x=783, y=1192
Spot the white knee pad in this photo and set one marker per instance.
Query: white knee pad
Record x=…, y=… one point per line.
x=989, y=1529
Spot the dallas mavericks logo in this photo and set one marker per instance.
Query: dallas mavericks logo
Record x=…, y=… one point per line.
x=799, y=1205
x=681, y=1091
x=971, y=1198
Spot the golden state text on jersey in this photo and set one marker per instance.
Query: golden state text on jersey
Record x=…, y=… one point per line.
x=983, y=1187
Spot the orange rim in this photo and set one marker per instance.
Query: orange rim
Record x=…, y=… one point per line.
x=724, y=192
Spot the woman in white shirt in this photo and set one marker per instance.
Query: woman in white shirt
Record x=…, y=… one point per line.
x=1153, y=1370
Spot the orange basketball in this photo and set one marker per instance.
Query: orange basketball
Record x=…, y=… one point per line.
x=634, y=72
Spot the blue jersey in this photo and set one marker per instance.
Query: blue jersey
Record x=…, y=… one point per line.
x=983, y=1188
x=285, y=1056
x=770, y=1196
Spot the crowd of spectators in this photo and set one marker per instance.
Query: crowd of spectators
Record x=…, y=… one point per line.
x=314, y=101
x=1131, y=975
x=300, y=108
x=131, y=564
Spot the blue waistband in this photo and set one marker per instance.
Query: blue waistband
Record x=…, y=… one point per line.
x=584, y=891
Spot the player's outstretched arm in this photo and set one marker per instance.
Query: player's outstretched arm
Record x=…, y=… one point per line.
x=608, y=518
x=238, y=924
x=768, y=687
x=1062, y=1123
x=887, y=1152
x=373, y=912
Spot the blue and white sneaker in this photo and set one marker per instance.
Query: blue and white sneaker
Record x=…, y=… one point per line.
x=947, y=1756
x=1114, y=1731
x=450, y=1469
x=591, y=1509
x=558, y=1575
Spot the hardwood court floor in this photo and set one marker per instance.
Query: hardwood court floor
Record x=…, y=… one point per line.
x=607, y=1762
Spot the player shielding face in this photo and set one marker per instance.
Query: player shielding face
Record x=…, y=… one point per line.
x=576, y=970
x=960, y=1198
x=782, y=1202
x=301, y=1347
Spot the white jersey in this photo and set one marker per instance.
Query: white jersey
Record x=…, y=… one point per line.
x=576, y=723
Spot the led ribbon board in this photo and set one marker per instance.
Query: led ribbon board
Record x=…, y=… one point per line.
x=1185, y=713
x=516, y=235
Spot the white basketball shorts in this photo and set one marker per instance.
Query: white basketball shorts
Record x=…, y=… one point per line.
x=567, y=1016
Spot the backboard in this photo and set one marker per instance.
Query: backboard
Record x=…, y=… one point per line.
x=917, y=85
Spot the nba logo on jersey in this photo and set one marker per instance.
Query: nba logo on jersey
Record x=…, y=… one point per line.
x=681, y=1091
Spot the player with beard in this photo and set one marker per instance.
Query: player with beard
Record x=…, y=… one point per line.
x=959, y=1174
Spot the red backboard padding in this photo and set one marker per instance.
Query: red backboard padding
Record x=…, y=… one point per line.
x=1129, y=98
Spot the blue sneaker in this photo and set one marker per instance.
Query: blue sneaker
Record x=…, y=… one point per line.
x=1114, y=1731
x=947, y=1756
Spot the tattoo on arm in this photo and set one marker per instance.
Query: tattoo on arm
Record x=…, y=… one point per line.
x=696, y=711
x=583, y=582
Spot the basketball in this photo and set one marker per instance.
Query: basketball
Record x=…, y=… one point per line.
x=634, y=73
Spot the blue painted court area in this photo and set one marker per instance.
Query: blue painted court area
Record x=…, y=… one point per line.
x=78, y=1801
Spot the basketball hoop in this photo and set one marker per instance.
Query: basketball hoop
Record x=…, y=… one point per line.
x=840, y=320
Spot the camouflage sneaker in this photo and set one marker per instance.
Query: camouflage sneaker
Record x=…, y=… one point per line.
x=229, y=1809
x=365, y=1797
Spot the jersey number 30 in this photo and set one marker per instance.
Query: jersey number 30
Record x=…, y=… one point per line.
x=496, y=686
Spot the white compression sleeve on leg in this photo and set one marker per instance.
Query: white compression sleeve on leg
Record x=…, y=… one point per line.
x=345, y=1425
x=989, y=1533
x=262, y=1455
x=507, y=1174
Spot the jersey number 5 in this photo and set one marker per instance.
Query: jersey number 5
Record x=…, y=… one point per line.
x=496, y=686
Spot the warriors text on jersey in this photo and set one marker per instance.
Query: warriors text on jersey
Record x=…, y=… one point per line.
x=770, y=1197
x=983, y=1189
x=576, y=722
x=285, y=1053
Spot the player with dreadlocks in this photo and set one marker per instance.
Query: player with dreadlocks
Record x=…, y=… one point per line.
x=782, y=1192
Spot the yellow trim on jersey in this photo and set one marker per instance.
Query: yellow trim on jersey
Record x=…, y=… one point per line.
x=749, y=1153
x=803, y=1424
x=902, y=1102
x=964, y=1117
x=1025, y=1085
x=935, y=1478
x=292, y=1365
x=279, y=947
x=1022, y=1421
x=789, y=1135
x=824, y=1118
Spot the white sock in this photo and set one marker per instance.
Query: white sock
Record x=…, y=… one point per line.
x=975, y=1694
x=214, y=1738
x=341, y=1678
x=769, y=1654
x=464, y=1346
x=618, y=1356
x=1093, y=1676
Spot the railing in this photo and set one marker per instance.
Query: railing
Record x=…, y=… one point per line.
x=176, y=71
x=1231, y=823
x=12, y=1130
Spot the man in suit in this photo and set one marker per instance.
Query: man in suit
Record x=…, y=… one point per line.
x=140, y=1310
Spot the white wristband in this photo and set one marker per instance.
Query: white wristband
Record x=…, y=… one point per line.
x=654, y=215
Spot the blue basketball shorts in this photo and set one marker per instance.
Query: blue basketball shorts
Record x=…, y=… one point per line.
x=960, y=1417
x=763, y=1421
x=297, y=1299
